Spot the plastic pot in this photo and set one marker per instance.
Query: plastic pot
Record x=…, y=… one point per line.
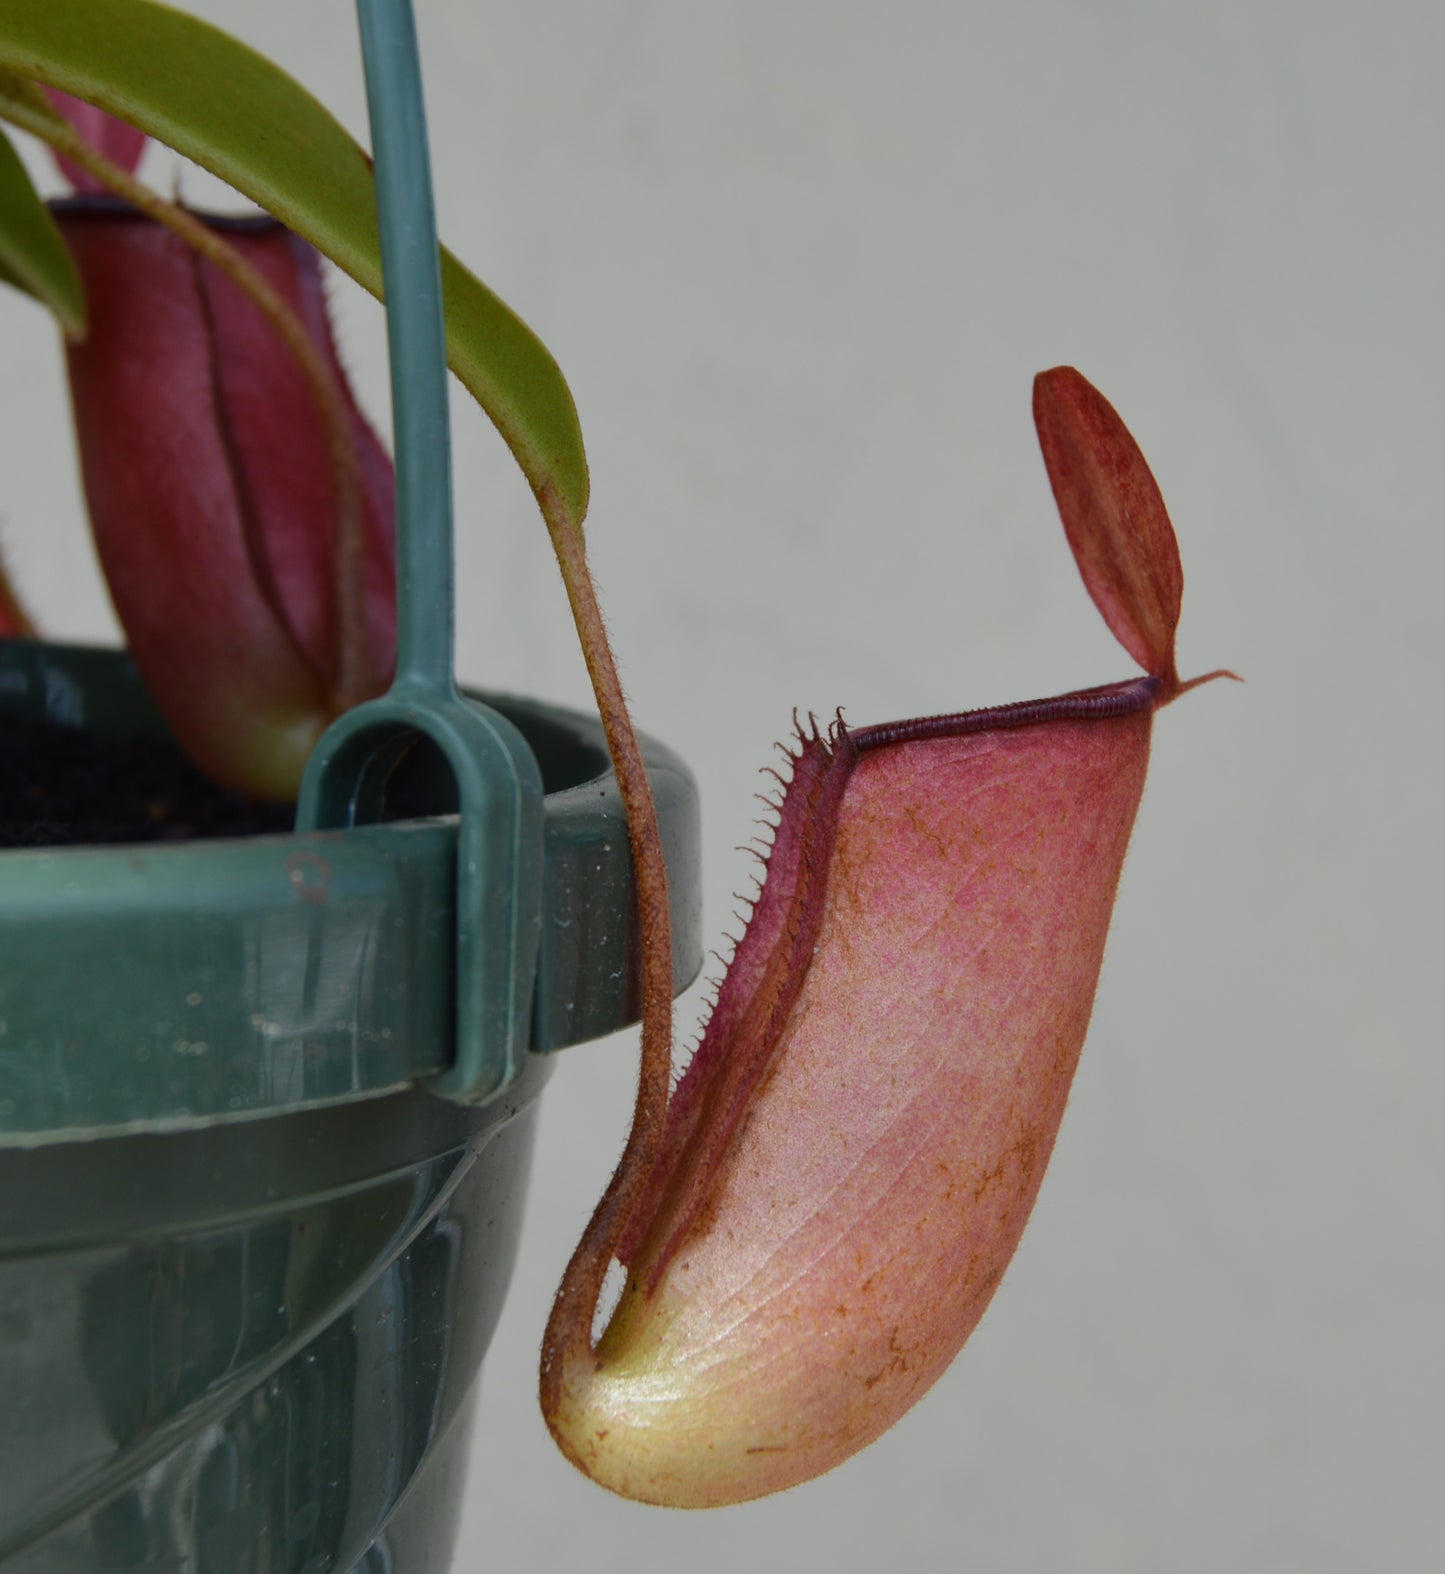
x=249, y=1265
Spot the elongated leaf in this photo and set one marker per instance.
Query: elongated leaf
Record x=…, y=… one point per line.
x=33, y=257
x=218, y=102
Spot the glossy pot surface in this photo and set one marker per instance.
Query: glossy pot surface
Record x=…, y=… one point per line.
x=257, y=1347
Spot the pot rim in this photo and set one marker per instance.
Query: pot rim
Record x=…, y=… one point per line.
x=151, y=987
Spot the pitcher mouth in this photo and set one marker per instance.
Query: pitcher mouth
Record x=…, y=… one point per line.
x=105, y=206
x=1095, y=704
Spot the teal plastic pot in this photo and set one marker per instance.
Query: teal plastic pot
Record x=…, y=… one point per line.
x=249, y=1265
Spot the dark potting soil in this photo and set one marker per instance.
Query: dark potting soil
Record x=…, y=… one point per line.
x=61, y=787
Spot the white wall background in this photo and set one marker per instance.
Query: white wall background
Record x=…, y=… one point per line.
x=800, y=261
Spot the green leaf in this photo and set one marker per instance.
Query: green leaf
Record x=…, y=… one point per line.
x=218, y=102
x=33, y=257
